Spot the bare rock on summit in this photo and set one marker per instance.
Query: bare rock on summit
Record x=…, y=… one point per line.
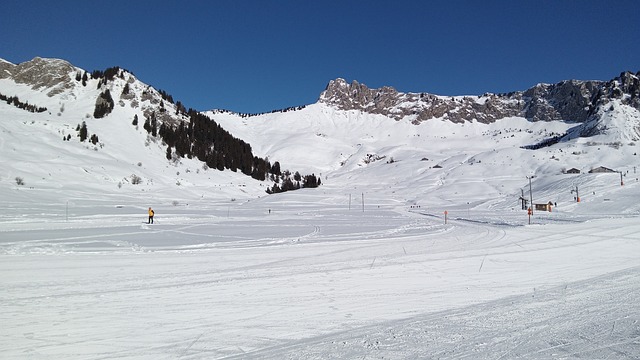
x=418, y=106
x=567, y=100
x=571, y=100
x=52, y=74
x=356, y=96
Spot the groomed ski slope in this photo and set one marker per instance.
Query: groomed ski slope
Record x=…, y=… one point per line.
x=313, y=279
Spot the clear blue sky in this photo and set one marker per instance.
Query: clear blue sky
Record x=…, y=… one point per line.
x=262, y=55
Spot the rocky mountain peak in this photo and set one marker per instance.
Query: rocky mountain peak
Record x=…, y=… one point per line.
x=41, y=73
x=572, y=100
x=567, y=100
x=415, y=106
x=358, y=96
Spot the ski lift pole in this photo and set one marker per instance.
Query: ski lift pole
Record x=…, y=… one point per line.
x=530, y=193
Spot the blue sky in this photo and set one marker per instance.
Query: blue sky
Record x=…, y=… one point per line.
x=258, y=56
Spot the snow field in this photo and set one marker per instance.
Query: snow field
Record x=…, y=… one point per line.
x=312, y=281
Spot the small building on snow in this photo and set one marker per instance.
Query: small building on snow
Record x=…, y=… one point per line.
x=601, y=169
x=543, y=207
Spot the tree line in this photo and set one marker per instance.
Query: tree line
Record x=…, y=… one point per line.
x=13, y=100
x=204, y=139
x=248, y=115
x=545, y=143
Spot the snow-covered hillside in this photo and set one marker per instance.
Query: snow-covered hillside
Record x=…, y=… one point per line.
x=343, y=147
x=365, y=266
x=33, y=148
x=417, y=163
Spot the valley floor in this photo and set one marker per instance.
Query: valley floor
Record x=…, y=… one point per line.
x=307, y=278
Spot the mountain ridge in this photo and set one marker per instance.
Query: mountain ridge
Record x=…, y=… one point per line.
x=569, y=100
x=341, y=142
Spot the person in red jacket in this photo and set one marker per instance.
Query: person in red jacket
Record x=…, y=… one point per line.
x=151, y=213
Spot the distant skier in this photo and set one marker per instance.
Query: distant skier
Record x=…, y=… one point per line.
x=151, y=213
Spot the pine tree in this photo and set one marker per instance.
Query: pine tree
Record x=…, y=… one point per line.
x=180, y=108
x=310, y=181
x=83, y=132
x=275, y=169
x=147, y=125
x=154, y=126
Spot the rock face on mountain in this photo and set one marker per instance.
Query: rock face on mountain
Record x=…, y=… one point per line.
x=625, y=90
x=570, y=100
x=53, y=74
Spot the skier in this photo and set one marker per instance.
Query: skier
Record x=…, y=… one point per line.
x=151, y=213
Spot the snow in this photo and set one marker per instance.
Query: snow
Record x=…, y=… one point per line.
x=362, y=267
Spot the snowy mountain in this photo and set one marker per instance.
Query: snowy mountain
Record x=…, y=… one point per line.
x=106, y=128
x=415, y=246
x=353, y=136
x=349, y=129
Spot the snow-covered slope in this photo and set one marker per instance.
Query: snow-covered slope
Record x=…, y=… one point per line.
x=416, y=163
x=33, y=145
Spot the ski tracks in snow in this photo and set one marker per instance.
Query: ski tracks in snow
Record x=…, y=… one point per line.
x=584, y=319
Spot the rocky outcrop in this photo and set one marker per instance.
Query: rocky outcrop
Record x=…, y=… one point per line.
x=416, y=106
x=625, y=90
x=55, y=75
x=571, y=100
